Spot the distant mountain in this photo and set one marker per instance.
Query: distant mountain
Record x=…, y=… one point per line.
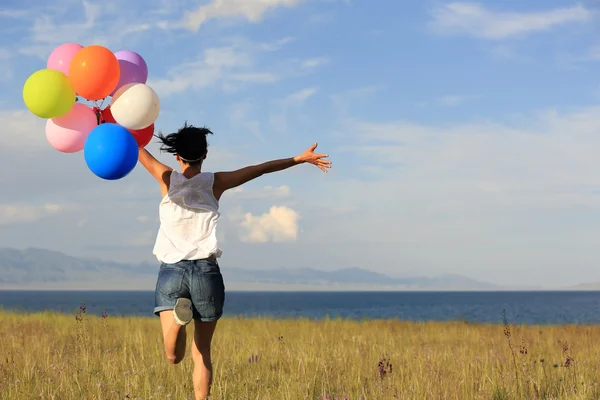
x=591, y=286
x=351, y=276
x=44, y=269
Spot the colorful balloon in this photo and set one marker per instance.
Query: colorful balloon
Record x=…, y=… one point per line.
x=69, y=132
x=106, y=116
x=133, y=68
x=60, y=59
x=135, y=106
x=94, y=72
x=110, y=151
x=143, y=136
x=48, y=93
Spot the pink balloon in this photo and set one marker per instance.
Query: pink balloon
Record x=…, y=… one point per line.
x=60, y=59
x=69, y=132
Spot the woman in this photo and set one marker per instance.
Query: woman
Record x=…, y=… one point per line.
x=189, y=285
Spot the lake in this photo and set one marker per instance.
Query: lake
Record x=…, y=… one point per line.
x=544, y=308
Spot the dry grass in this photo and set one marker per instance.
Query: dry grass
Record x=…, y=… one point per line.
x=51, y=356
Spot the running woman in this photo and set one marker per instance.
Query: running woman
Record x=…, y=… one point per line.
x=189, y=284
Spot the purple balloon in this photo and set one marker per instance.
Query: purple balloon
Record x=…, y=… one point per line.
x=133, y=68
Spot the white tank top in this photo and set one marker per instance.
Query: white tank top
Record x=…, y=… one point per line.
x=188, y=220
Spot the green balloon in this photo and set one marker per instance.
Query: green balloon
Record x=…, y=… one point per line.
x=48, y=93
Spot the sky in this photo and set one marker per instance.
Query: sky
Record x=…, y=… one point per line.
x=464, y=136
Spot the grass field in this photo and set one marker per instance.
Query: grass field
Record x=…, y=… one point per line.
x=50, y=356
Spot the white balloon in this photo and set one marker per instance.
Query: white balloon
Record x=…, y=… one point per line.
x=135, y=106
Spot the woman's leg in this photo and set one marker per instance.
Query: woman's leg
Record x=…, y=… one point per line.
x=208, y=295
x=173, y=323
x=174, y=307
x=203, y=334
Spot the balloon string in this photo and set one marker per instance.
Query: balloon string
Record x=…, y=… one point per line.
x=98, y=114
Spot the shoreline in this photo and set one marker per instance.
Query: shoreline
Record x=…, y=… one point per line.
x=283, y=319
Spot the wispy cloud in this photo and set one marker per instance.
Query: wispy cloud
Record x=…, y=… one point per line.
x=279, y=118
x=242, y=115
x=316, y=62
x=6, y=67
x=342, y=102
x=4, y=54
x=454, y=100
x=449, y=101
x=300, y=97
x=13, y=13
x=231, y=67
x=473, y=19
x=26, y=131
x=545, y=153
x=267, y=192
x=20, y=214
x=104, y=24
x=215, y=65
x=276, y=45
x=252, y=11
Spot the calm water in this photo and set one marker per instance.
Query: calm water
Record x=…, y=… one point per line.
x=521, y=307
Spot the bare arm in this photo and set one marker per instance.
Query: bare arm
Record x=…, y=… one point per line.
x=158, y=170
x=228, y=180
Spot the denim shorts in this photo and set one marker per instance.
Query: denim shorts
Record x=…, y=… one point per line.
x=198, y=280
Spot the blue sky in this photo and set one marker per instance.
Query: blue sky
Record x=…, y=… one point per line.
x=464, y=135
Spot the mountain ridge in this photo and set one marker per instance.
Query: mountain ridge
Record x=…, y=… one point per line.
x=49, y=269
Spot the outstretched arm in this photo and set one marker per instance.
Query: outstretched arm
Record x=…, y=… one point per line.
x=228, y=180
x=158, y=170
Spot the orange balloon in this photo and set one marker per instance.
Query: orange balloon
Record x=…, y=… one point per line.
x=94, y=72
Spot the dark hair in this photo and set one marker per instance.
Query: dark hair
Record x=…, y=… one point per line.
x=189, y=143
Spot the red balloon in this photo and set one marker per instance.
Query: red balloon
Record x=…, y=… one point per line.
x=143, y=136
x=106, y=116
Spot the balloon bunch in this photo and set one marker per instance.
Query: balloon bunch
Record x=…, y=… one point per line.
x=109, y=137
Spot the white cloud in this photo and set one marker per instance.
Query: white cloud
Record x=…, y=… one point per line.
x=316, y=62
x=474, y=19
x=477, y=177
x=206, y=71
x=228, y=66
x=449, y=100
x=6, y=69
x=593, y=54
x=13, y=13
x=242, y=116
x=354, y=97
x=267, y=192
x=107, y=24
x=300, y=97
x=254, y=77
x=454, y=100
x=321, y=18
x=252, y=11
x=144, y=239
x=21, y=214
x=276, y=45
x=26, y=131
x=280, y=224
x=291, y=104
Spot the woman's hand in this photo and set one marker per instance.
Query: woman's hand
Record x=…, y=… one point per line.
x=309, y=156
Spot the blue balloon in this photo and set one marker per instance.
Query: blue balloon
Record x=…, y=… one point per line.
x=110, y=151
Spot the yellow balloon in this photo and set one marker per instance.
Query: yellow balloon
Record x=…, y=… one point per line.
x=48, y=93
